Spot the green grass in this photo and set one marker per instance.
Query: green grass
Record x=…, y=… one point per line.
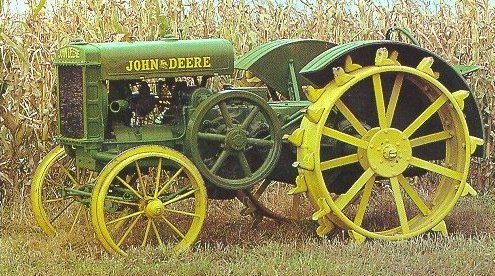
x=230, y=244
x=455, y=255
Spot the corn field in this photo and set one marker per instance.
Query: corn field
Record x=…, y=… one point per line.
x=463, y=33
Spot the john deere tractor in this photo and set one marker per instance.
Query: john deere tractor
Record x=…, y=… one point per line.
x=379, y=134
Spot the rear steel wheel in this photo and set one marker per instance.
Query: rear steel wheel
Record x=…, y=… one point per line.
x=148, y=195
x=234, y=138
x=414, y=163
x=60, y=194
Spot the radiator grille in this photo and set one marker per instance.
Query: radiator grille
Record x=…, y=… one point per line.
x=71, y=101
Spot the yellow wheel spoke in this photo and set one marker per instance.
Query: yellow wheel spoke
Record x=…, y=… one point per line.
x=157, y=181
x=344, y=199
x=121, y=223
x=434, y=107
x=181, y=197
x=146, y=233
x=140, y=178
x=436, y=168
x=346, y=138
x=431, y=138
x=76, y=218
x=365, y=199
x=157, y=234
x=121, y=201
x=413, y=195
x=129, y=230
x=181, y=212
x=54, y=200
x=350, y=117
x=394, y=98
x=129, y=187
x=176, y=230
x=70, y=176
x=338, y=162
x=125, y=217
x=170, y=181
x=399, y=203
x=380, y=102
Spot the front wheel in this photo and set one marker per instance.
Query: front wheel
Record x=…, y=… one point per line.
x=148, y=195
x=60, y=194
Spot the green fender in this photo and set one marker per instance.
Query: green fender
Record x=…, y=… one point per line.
x=270, y=62
x=319, y=72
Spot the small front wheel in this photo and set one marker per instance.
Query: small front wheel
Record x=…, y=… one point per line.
x=148, y=195
x=60, y=193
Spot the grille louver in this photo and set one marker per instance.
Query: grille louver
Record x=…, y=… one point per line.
x=71, y=101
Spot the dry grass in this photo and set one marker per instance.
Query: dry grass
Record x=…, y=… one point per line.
x=229, y=244
x=463, y=34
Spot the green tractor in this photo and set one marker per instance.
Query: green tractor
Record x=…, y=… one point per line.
x=145, y=138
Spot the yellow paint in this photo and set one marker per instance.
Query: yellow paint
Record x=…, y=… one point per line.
x=151, y=210
x=173, y=63
x=385, y=153
x=69, y=53
x=301, y=186
x=56, y=165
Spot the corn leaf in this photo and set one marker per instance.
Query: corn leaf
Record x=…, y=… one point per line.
x=38, y=8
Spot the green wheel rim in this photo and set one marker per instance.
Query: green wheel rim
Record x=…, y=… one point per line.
x=234, y=140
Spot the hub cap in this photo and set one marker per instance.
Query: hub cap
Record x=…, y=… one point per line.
x=236, y=139
x=389, y=152
x=154, y=208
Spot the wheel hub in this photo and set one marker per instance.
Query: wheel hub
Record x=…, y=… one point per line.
x=154, y=208
x=389, y=152
x=236, y=139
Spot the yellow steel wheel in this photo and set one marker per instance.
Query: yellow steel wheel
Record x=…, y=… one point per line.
x=410, y=143
x=148, y=195
x=60, y=193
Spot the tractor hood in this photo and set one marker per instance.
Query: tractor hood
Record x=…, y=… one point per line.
x=149, y=59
